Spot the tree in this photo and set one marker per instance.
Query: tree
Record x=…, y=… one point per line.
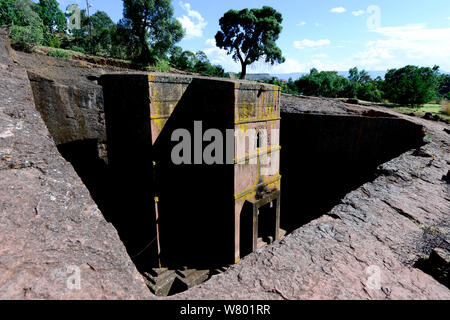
x=52, y=17
x=198, y=62
x=361, y=86
x=19, y=12
x=101, y=33
x=7, y=12
x=322, y=84
x=368, y=91
x=250, y=35
x=286, y=87
x=358, y=76
x=25, y=38
x=182, y=60
x=153, y=26
x=101, y=40
x=123, y=44
x=26, y=30
x=444, y=86
x=412, y=85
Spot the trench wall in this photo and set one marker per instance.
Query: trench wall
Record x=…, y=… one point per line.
x=324, y=157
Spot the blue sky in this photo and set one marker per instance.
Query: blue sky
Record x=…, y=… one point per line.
x=325, y=34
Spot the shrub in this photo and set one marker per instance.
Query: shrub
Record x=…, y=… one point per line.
x=162, y=66
x=446, y=107
x=411, y=85
x=26, y=38
x=58, y=54
x=51, y=40
x=77, y=49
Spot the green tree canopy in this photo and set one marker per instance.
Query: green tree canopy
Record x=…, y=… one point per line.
x=322, y=84
x=194, y=62
x=52, y=17
x=444, y=86
x=358, y=76
x=153, y=26
x=19, y=12
x=26, y=30
x=250, y=35
x=412, y=85
x=7, y=12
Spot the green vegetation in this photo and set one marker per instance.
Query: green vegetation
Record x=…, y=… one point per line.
x=148, y=33
x=410, y=89
x=331, y=85
x=59, y=54
x=27, y=28
x=194, y=62
x=154, y=31
x=250, y=35
x=412, y=86
x=434, y=109
x=25, y=38
x=286, y=87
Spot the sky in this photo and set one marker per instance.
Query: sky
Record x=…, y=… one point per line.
x=324, y=34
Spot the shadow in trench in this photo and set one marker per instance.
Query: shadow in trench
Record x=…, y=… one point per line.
x=93, y=171
x=325, y=157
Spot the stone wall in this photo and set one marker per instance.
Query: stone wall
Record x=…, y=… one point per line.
x=51, y=230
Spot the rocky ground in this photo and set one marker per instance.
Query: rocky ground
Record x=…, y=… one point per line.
x=52, y=235
x=387, y=227
x=390, y=229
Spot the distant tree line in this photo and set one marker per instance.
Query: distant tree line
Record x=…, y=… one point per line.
x=147, y=34
x=195, y=62
x=411, y=85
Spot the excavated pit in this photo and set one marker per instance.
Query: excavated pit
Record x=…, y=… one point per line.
x=380, y=223
x=323, y=158
x=326, y=158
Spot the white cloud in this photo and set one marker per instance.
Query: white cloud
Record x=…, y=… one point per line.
x=338, y=10
x=306, y=43
x=193, y=23
x=317, y=25
x=220, y=56
x=358, y=13
x=301, y=24
x=289, y=66
x=411, y=44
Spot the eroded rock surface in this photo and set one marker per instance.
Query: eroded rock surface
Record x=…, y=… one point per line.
x=384, y=227
x=50, y=228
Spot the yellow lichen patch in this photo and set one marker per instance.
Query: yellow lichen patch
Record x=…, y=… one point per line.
x=159, y=123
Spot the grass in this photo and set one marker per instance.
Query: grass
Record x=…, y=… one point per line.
x=71, y=53
x=58, y=53
x=442, y=110
x=434, y=109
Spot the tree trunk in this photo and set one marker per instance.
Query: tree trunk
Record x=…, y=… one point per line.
x=244, y=71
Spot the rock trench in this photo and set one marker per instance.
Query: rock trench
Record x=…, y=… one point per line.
x=393, y=224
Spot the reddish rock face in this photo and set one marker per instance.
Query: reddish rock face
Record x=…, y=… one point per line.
x=368, y=246
x=54, y=242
